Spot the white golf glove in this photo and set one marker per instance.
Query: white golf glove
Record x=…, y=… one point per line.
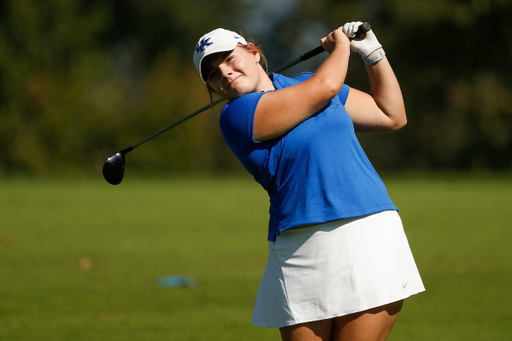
x=365, y=46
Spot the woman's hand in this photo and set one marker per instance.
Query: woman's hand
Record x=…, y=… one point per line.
x=335, y=38
x=368, y=47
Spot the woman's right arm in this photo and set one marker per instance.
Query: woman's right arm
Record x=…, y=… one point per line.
x=278, y=112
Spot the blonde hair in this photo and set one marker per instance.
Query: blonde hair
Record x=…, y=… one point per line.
x=250, y=48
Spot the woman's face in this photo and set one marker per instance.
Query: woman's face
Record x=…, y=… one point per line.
x=234, y=74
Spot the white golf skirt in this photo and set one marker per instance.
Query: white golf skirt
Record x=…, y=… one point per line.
x=334, y=269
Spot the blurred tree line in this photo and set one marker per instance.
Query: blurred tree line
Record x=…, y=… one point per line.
x=82, y=79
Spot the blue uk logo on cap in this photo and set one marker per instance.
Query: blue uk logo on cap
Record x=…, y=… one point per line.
x=203, y=45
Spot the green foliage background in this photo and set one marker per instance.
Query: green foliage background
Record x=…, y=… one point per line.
x=80, y=79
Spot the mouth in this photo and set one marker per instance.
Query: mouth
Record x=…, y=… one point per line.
x=233, y=81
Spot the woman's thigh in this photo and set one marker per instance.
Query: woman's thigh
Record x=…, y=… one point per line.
x=371, y=325
x=310, y=331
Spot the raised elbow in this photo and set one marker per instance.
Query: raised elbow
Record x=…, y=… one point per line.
x=330, y=88
x=403, y=123
x=399, y=123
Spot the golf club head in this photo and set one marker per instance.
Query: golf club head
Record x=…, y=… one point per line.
x=113, y=168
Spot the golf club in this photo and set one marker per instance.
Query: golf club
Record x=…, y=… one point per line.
x=114, y=165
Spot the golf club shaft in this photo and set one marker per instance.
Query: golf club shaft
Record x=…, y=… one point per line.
x=305, y=56
x=197, y=112
x=310, y=54
x=302, y=58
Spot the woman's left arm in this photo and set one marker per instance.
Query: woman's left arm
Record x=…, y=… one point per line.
x=384, y=109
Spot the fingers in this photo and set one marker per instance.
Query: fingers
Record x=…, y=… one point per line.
x=351, y=28
x=334, y=38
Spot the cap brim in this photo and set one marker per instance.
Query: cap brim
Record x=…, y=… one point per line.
x=228, y=46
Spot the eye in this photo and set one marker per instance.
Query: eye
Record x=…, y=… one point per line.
x=213, y=74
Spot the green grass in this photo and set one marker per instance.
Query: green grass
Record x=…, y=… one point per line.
x=80, y=259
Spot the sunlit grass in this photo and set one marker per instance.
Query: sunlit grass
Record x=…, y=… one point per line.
x=80, y=259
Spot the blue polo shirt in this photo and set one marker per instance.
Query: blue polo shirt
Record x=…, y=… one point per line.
x=317, y=172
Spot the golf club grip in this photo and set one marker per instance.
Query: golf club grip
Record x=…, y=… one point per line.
x=363, y=28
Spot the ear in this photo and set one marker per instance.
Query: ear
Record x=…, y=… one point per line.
x=254, y=52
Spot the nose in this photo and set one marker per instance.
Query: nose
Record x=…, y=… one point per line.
x=225, y=70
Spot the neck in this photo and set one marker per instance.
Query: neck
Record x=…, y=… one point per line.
x=266, y=82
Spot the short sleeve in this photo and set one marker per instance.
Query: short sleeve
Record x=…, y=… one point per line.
x=237, y=127
x=343, y=94
x=237, y=120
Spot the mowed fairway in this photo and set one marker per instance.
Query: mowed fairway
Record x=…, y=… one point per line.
x=81, y=259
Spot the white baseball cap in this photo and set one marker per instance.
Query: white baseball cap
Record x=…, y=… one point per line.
x=218, y=40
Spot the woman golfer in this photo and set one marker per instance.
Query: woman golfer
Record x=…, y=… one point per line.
x=339, y=264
